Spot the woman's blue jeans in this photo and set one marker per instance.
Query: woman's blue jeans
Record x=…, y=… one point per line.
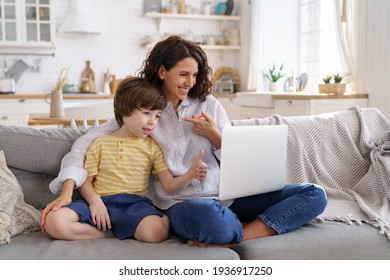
x=208, y=221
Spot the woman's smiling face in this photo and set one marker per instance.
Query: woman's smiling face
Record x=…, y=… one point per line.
x=178, y=80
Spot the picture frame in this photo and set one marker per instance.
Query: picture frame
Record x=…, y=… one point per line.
x=222, y=75
x=152, y=6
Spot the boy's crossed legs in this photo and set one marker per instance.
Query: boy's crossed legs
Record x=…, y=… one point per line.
x=134, y=217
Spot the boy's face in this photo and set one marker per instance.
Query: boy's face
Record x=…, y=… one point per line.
x=141, y=122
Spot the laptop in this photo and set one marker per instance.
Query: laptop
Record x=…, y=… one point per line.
x=253, y=161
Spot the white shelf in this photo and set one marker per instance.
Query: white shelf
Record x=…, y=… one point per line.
x=161, y=16
x=220, y=47
x=209, y=47
x=222, y=19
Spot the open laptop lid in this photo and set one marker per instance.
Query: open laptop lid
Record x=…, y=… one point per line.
x=253, y=160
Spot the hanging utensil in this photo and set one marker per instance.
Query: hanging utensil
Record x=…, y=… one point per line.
x=16, y=71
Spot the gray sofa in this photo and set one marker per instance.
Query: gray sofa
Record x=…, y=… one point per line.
x=34, y=157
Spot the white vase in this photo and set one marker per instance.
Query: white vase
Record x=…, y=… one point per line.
x=276, y=86
x=56, y=104
x=106, y=88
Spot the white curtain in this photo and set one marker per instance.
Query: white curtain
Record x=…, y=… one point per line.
x=346, y=24
x=255, y=79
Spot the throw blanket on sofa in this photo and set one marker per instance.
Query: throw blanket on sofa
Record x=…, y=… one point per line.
x=348, y=153
x=16, y=216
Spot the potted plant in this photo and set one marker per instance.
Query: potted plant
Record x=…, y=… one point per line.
x=273, y=75
x=326, y=86
x=327, y=79
x=336, y=87
x=339, y=87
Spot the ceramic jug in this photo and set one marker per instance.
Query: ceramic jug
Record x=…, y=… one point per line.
x=56, y=104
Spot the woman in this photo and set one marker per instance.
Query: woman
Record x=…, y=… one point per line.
x=193, y=120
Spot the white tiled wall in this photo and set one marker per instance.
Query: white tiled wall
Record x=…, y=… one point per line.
x=118, y=48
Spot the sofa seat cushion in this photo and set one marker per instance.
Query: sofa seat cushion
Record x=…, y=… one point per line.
x=39, y=245
x=317, y=240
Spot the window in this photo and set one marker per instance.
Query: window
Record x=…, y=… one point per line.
x=314, y=47
x=319, y=53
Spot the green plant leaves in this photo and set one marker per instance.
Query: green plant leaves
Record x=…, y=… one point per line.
x=274, y=74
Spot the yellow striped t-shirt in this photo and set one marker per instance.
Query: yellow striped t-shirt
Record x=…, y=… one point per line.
x=123, y=165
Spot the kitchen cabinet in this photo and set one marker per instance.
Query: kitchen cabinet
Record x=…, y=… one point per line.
x=11, y=119
x=27, y=23
x=259, y=105
x=224, y=21
x=15, y=109
x=228, y=101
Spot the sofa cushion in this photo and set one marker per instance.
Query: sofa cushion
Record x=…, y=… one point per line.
x=37, y=150
x=16, y=216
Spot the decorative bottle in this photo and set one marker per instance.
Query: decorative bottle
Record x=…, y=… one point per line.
x=90, y=75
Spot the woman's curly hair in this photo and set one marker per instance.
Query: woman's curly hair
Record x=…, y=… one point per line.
x=169, y=52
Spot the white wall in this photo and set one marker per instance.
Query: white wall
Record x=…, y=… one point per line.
x=373, y=53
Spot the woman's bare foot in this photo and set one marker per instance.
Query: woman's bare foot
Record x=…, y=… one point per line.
x=244, y=224
x=256, y=229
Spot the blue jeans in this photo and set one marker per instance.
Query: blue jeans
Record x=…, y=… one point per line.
x=208, y=221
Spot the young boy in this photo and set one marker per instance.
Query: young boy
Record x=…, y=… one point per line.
x=119, y=166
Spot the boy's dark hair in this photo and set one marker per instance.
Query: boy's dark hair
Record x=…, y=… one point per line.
x=134, y=93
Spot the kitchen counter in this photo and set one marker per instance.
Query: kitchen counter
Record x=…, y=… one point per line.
x=268, y=99
x=65, y=95
x=222, y=95
x=292, y=95
x=302, y=95
x=241, y=105
x=255, y=104
x=308, y=95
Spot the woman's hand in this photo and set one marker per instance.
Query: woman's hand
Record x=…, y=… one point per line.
x=205, y=125
x=63, y=200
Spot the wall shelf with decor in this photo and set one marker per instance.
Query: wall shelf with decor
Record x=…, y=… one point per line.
x=209, y=47
x=161, y=16
x=216, y=42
